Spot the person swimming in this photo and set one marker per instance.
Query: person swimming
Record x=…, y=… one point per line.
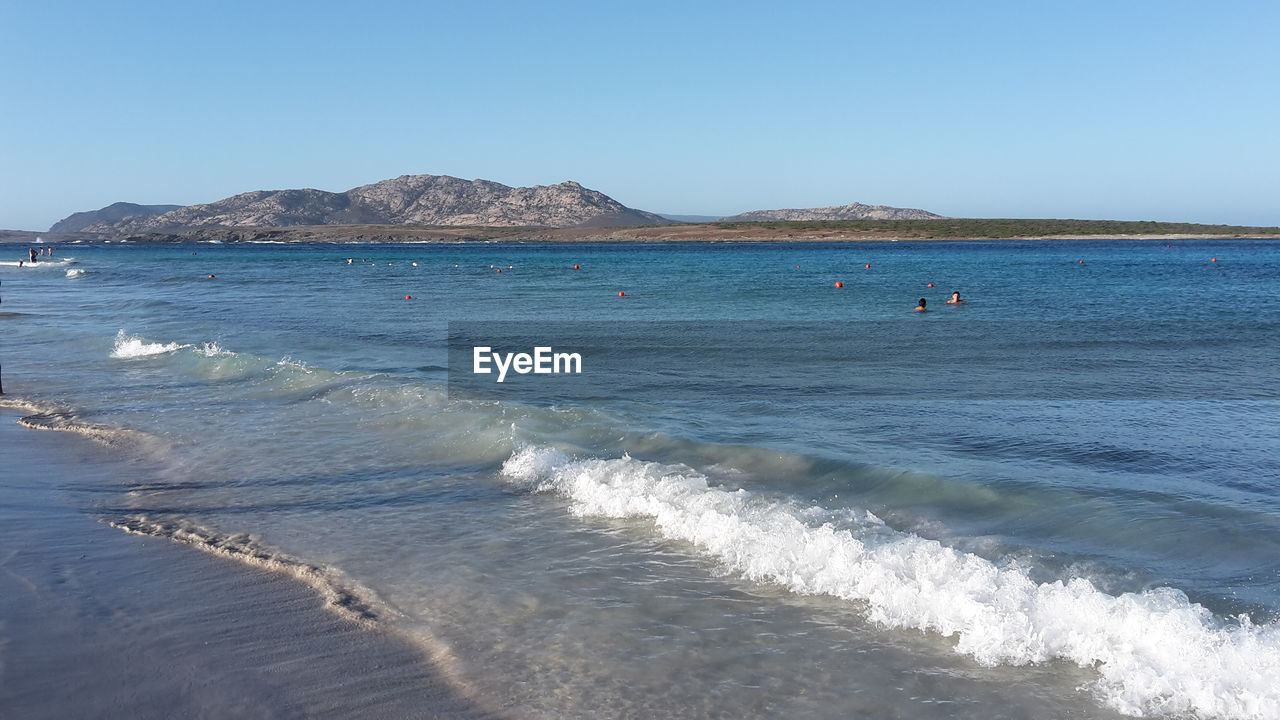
x=921, y=307
x=955, y=299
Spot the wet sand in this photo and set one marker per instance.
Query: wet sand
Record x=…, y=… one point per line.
x=95, y=622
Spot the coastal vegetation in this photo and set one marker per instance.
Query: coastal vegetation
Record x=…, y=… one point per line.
x=998, y=228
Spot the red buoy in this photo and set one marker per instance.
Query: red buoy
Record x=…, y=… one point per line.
x=575, y=267
x=408, y=297
x=621, y=294
x=210, y=274
x=930, y=284
x=839, y=284
x=1213, y=260
x=868, y=266
x=499, y=270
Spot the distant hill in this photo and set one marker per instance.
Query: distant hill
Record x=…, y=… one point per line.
x=112, y=213
x=691, y=218
x=852, y=211
x=406, y=200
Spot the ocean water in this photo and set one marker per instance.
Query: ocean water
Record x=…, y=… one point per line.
x=761, y=496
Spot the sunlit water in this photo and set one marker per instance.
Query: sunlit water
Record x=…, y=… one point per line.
x=1056, y=500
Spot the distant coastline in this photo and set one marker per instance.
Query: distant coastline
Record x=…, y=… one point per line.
x=775, y=231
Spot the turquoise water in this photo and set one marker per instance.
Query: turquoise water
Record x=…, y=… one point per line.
x=763, y=495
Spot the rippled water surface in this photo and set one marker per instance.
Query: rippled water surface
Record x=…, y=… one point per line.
x=763, y=495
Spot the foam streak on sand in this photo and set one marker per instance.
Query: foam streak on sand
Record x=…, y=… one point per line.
x=341, y=595
x=1155, y=651
x=48, y=418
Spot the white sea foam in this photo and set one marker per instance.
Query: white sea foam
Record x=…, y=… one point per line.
x=213, y=349
x=1156, y=652
x=131, y=346
x=75, y=273
x=290, y=363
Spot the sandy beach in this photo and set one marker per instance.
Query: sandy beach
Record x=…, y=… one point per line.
x=95, y=622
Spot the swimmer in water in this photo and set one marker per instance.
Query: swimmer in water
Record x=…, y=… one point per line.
x=955, y=299
x=921, y=307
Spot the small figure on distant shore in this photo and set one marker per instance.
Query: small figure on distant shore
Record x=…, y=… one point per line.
x=955, y=299
x=921, y=307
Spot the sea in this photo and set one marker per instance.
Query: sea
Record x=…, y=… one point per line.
x=715, y=480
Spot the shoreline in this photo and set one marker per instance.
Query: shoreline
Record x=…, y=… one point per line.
x=699, y=233
x=147, y=627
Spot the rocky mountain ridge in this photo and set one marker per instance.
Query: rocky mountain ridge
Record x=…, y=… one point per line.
x=406, y=200
x=852, y=211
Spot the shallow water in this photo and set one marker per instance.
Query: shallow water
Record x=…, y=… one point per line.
x=762, y=495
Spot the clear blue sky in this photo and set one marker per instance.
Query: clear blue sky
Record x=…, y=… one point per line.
x=1129, y=110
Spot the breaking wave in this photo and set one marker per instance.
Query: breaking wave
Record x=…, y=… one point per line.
x=128, y=347
x=1155, y=651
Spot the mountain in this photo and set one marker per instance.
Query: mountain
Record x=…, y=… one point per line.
x=852, y=211
x=406, y=200
x=112, y=213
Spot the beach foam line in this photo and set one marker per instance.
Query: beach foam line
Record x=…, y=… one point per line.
x=22, y=404
x=47, y=417
x=1156, y=653
x=341, y=595
x=128, y=347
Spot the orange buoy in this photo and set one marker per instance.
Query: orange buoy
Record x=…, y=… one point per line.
x=575, y=267
x=868, y=266
x=1081, y=262
x=930, y=284
x=839, y=284
x=408, y=297
x=1213, y=260
x=210, y=274
x=499, y=270
x=621, y=294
